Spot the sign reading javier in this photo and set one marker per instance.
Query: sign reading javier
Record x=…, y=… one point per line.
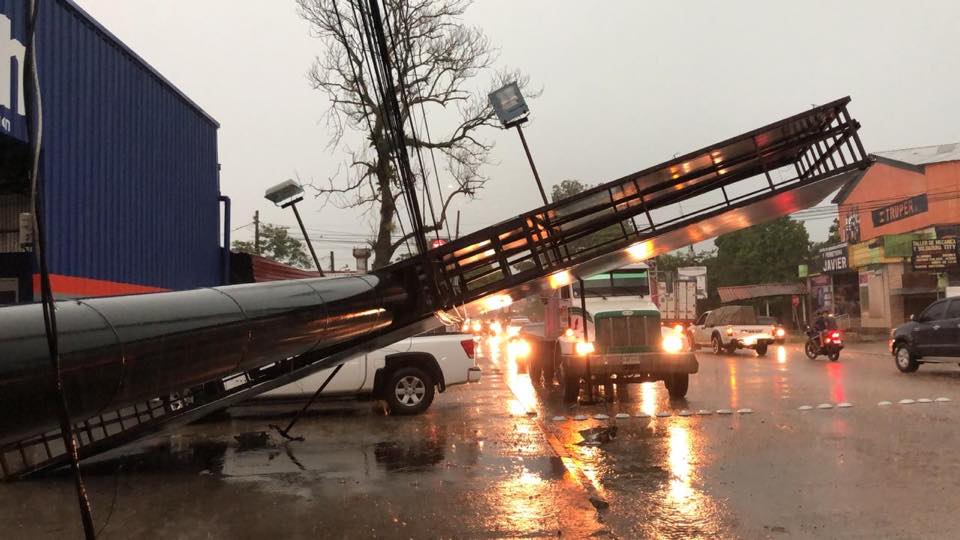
x=833, y=258
x=934, y=254
x=900, y=210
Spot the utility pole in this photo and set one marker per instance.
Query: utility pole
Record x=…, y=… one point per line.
x=256, y=232
x=332, y=269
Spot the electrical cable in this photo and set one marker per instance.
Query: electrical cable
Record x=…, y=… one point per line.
x=404, y=97
x=363, y=30
x=394, y=120
x=357, y=82
x=35, y=126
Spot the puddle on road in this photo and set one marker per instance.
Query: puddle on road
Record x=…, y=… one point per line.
x=650, y=474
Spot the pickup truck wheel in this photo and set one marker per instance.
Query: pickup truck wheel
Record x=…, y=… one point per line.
x=905, y=360
x=677, y=384
x=761, y=350
x=717, y=345
x=409, y=390
x=569, y=385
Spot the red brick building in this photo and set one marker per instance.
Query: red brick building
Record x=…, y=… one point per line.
x=898, y=227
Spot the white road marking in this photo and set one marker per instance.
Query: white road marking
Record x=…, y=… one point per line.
x=942, y=399
x=744, y=411
x=885, y=403
x=924, y=400
x=685, y=413
x=601, y=416
x=623, y=415
x=845, y=405
x=906, y=402
x=580, y=417
x=559, y=418
x=724, y=411
x=704, y=412
x=804, y=408
x=825, y=406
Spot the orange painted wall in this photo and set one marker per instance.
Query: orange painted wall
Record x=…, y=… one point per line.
x=885, y=184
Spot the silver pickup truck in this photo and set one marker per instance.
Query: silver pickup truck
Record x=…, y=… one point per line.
x=729, y=328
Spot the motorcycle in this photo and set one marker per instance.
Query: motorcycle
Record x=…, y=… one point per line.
x=826, y=342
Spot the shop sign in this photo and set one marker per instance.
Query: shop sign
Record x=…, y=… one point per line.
x=834, y=258
x=900, y=210
x=934, y=254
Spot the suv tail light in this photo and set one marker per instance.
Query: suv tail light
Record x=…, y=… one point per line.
x=835, y=335
x=468, y=347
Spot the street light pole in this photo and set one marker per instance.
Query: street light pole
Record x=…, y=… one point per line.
x=306, y=238
x=512, y=110
x=533, y=166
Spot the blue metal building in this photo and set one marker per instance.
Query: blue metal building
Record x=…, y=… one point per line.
x=129, y=165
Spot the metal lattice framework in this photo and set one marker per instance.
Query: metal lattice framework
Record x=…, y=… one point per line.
x=757, y=176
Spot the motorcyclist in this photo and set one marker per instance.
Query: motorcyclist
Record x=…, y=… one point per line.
x=823, y=323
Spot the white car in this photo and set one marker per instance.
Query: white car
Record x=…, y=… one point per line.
x=729, y=328
x=405, y=374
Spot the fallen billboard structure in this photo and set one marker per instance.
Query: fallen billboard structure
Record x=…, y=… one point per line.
x=136, y=364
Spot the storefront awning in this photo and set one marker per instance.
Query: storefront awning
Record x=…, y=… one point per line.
x=913, y=291
x=746, y=292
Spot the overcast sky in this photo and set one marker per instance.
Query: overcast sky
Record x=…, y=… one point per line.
x=626, y=85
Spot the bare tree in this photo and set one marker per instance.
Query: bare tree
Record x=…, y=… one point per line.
x=434, y=57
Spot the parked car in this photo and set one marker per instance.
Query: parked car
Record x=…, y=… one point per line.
x=777, y=330
x=729, y=328
x=933, y=336
x=405, y=375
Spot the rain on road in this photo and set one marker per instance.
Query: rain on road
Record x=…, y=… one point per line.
x=494, y=460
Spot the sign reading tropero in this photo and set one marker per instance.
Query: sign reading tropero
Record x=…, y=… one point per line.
x=900, y=210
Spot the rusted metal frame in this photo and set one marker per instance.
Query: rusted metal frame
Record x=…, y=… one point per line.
x=23, y=455
x=666, y=185
x=763, y=163
x=821, y=161
x=622, y=227
x=829, y=152
x=856, y=137
x=831, y=107
x=528, y=231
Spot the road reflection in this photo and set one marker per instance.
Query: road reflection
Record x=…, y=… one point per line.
x=835, y=375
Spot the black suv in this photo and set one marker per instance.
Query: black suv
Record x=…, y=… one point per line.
x=934, y=333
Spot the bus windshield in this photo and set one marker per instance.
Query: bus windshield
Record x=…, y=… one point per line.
x=627, y=282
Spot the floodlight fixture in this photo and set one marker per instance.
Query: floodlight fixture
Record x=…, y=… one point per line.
x=509, y=105
x=286, y=194
x=283, y=193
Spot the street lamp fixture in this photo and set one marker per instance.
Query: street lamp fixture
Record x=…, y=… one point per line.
x=512, y=111
x=286, y=194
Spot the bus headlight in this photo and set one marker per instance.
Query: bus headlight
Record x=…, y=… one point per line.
x=672, y=344
x=584, y=348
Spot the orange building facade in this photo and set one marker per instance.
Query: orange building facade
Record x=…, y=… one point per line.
x=898, y=228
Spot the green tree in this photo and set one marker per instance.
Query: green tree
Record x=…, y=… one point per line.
x=565, y=189
x=277, y=244
x=568, y=188
x=766, y=253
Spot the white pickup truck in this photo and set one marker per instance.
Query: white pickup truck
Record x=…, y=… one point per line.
x=729, y=328
x=405, y=374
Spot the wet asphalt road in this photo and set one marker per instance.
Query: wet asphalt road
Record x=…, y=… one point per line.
x=477, y=465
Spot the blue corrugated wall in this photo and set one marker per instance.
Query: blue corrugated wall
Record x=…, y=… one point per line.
x=129, y=164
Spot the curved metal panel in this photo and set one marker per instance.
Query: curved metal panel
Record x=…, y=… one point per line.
x=91, y=366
